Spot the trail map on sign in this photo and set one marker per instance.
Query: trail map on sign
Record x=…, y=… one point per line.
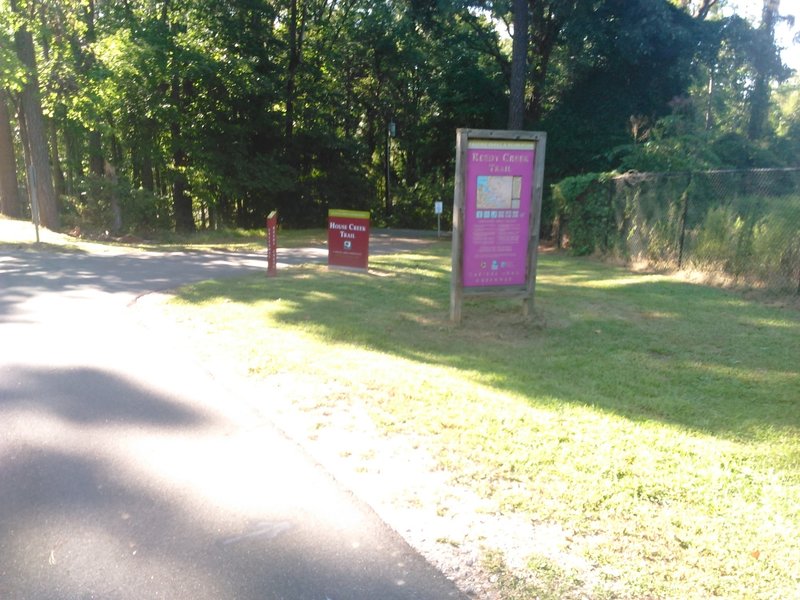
x=498, y=192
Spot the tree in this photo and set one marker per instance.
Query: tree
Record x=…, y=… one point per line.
x=766, y=66
x=516, y=104
x=618, y=61
x=200, y=113
x=32, y=125
x=11, y=78
x=699, y=9
x=9, y=193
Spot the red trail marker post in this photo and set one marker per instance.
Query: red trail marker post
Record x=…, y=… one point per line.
x=272, y=244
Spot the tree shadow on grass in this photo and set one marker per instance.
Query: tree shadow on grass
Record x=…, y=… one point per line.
x=644, y=347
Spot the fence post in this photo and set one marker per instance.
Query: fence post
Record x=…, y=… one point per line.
x=682, y=240
x=609, y=214
x=798, y=282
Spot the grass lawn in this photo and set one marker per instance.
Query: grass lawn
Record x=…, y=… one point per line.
x=656, y=421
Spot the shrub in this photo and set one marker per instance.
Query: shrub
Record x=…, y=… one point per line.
x=145, y=212
x=763, y=249
x=583, y=213
x=413, y=207
x=776, y=245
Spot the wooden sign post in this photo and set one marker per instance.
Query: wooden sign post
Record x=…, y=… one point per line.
x=272, y=244
x=496, y=215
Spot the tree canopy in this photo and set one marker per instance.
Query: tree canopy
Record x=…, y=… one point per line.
x=188, y=114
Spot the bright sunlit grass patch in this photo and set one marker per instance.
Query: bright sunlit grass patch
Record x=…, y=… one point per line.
x=655, y=420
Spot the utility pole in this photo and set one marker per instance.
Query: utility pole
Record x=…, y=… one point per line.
x=34, y=199
x=391, y=131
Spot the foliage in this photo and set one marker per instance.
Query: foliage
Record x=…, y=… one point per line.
x=144, y=212
x=740, y=225
x=735, y=151
x=786, y=116
x=622, y=60
x=755, y=241
x=665, y=153
x=723, y=239
x=12, y=73
x=414, y=206
x=583, y=212
x=226, y=111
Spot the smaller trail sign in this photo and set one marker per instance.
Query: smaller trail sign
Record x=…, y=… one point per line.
x=496, y=215
x=272, y=244
x=348, y=239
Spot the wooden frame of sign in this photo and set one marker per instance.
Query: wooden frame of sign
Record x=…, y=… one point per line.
x=497, y=206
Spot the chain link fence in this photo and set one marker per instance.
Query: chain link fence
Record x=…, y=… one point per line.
x=741, y=227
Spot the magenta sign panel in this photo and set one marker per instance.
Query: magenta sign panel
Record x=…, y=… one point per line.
x=497, y=213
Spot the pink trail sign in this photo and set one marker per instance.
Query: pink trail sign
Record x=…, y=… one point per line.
x=497, y=213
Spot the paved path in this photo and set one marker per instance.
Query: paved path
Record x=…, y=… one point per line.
x=128, y=472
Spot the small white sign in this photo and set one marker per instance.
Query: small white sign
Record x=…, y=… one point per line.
x=437, y=208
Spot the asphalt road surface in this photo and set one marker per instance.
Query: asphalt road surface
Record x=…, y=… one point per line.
x=127, y=471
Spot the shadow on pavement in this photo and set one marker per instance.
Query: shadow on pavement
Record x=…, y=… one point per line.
x=80, y=516
x=24, y=275
x=85, y=395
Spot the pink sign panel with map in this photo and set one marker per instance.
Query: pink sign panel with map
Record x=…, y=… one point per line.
x=497, y=213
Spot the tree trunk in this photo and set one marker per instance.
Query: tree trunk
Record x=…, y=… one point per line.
x=545, y=29
x=116, y=211
x=387, y=179
x=295, y=48
x=704, y=9
x=759, y=99
x=709, y=118
x=147, y=181
x=9, y=190
x=516, y=102
x=96, y=160
x=181, y=201
x=290, y=199
x=59, y=181
x=36, y=138
x=89, y=60
x=74, y=162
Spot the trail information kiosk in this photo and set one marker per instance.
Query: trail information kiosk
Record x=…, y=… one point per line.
x=496, y=215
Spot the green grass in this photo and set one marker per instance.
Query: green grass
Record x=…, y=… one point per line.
x=656, y=421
